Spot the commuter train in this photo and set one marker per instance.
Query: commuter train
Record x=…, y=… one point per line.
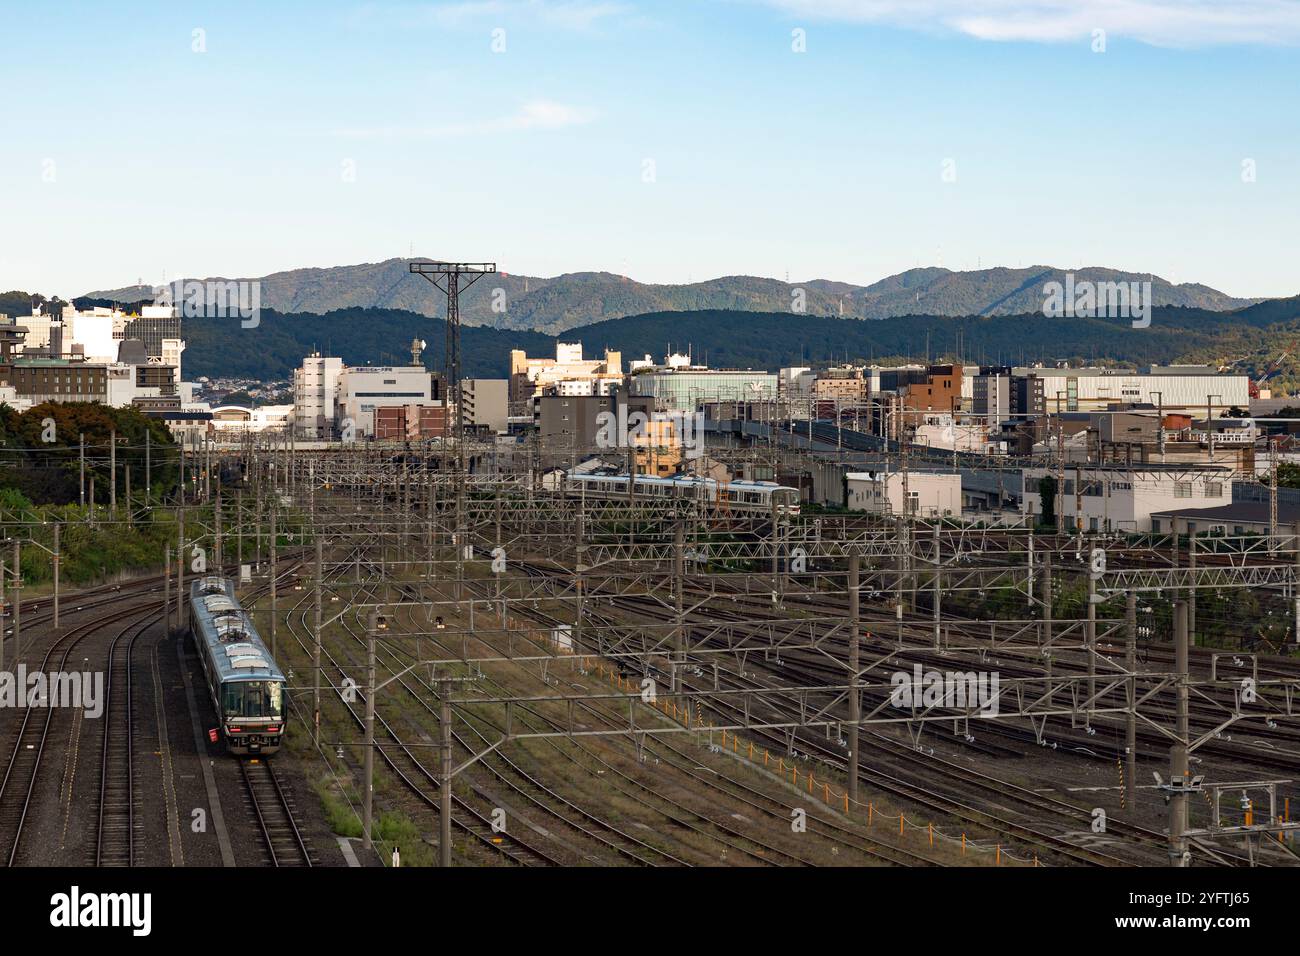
x=246, y=686
x=755, y=497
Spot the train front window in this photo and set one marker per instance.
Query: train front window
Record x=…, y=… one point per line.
x=253, y=698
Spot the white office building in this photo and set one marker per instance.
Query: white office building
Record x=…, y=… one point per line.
x=93, y=330
x=928, y=494
x=364, y=388
x=315, y=396
x=1119, y=498
x=1186, y=388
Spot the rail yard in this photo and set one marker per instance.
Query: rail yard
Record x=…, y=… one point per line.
x=482, y=671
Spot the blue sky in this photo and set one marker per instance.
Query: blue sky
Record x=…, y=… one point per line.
x=313, y=134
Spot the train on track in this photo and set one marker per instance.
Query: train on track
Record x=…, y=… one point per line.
x=246, y=686
x=756, y=497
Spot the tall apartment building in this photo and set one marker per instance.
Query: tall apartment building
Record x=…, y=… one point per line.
x=486, y=403
x=998, y=394
x=315, y=396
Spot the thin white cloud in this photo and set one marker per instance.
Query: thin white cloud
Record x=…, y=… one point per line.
x=533, y=115
x=1174, y=23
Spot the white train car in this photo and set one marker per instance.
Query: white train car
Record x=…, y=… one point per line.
x=740, y=496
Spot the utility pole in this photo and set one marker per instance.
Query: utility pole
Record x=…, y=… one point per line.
x=1178, y=773
x=148, y=468
x=368, y=801
x=855, y=695
x=444, y=783
x=274, y=567
x=679, y=588
x=216, y=522
x=180, y=570
x=112, y=471
x=937, y=584
x=315, y=657
x=167, y=588
x=1160, y=424
x=1130, y=718
x=1046, y=583
x=450, y=278
x=1296, y=545
x=81, y=444
x=55, y=556
x=17, y=589
x=1090, y=636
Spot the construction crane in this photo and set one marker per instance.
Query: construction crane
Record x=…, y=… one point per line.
x=1270, y=370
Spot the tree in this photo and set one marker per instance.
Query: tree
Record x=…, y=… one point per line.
x=43, y=459
x=1288, y=475
x=1047, y=495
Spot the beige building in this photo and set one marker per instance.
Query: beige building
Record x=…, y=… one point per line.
x=536, y=376
x=841, y=384
x=927, y=494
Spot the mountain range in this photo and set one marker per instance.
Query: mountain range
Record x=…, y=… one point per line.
x=558, y=304
x=1248, y=338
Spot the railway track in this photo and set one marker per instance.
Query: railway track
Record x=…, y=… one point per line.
x=582, y=823
x=989, y=817
x=742, y=795
x=116, y=825
x=986, y=792
x=409, y=770
x=273, y=808
x=24, y=763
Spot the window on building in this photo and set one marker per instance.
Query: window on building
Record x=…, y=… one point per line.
x=1214, y=489
x=1182, y=489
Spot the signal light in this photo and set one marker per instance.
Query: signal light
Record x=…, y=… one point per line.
x=212, y=735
